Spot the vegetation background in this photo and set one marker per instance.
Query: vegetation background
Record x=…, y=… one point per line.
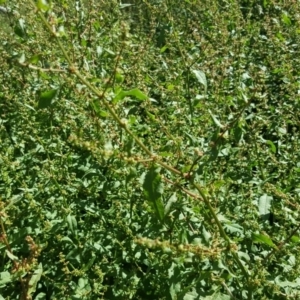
x=149, y=149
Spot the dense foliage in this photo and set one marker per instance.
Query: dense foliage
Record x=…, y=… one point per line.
x=149, y=149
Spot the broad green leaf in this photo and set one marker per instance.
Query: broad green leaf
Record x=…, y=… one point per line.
x=136, y=93
x=11, y=256
x=234, y=228
x=191, y=295
x=244, y=255
x=42, y=5
x=217, y=296
x=285, y=19
x=172, y=199
x=293, y=284
x=40, y=296
x=263, y=239
x=72, y=223
x=119, y=77
x=295, y=239
x=19, y=29
x=163, y=49
x=272, y=146
x=22, y=58
x=83, y=286
x=206, y=234
x=153, y=189
x=89, y=263
x=4, y=278
x=264, y=204
x=36, y=276
x=216, y=121
x=201, y=78
x=46, y=97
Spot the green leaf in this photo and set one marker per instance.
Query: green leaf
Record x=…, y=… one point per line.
x=96, y=108
x=172, y=199
x=201, y=78
x=216, y=121
x=46, y=97
x=191, y=295
x=11, y=256
x=19, y=29
x=264, y=205
x=206, y=234
x=103, y=113
x=295, y=239
x=151, y=116
x=4, y=278
x=34, y=59
x=36, y=276
x=22, y=58
x=272, y=146
x=263, y=239
x=119, y=77
x=72, y=223
x=153, y=189
x=286, y=20
x=89, y=264
x=136, y=93
x=293, y=284
x=217, y=296
x=164, y=48
x=42, y=5
x=234, y=228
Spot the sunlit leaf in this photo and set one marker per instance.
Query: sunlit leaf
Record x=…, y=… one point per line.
x=11, y=256
x=286, y=20
x=119, y=77
x=42, y=5
x=272, y=146
x=22, y=58
x=172, y=199
x=263, y=239
x=4, y=278
x=264, y=204
x=72, y=223
x=136, y=93
x=215, y=119
x=206, y=234
x=35, y=278
x=217, y=296
x=200, y=75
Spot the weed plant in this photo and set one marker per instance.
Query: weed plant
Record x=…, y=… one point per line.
x=149, y=149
